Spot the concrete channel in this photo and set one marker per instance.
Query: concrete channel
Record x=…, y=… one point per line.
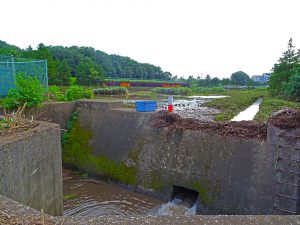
x=237, y=176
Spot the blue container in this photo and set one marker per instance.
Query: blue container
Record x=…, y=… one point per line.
x=145, y=106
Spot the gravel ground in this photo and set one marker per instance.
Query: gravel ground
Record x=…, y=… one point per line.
x=196, y=112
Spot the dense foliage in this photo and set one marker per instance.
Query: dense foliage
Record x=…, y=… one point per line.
x=27, y=90
x=172, y=91
x=88, y=65
x=285, y=80
x=240, y=78
x=111, y=91
x=72, y=93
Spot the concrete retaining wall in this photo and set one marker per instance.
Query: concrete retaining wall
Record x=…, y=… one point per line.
x=233, y=176
x=31, y=169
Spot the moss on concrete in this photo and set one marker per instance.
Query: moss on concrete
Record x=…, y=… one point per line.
x=155, y=181
x=78, y=153
x=203, y=193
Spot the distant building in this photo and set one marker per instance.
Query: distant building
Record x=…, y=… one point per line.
x=264, y=78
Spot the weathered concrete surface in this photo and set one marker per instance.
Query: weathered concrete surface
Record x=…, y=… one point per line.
x=54, y=112
x=31, y=168
x=233, y=176
x=115, y=132
x=285, y=145
x=25, y=215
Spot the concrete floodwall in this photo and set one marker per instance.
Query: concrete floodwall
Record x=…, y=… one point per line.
x=232, y=175
x=31, y=168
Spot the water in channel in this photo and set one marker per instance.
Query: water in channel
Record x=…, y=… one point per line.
x=249, y=113
x=97, y=198
x=87, y=197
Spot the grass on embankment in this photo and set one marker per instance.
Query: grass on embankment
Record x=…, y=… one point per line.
x=270, y=105
x=238, y=101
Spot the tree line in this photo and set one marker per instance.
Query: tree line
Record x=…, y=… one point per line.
x=88, y=65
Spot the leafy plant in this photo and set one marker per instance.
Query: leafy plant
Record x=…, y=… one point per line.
x=56, y=94
x=78, y=92
x=28, y=90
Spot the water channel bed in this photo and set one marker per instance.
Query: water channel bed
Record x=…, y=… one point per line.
x=85, y=197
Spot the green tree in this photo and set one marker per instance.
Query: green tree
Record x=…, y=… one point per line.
x=63, y=73
x=283, y=70
x=240, y=78
x=292, y=87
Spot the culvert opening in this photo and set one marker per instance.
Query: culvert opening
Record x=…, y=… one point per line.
x=183, y=201
x=187, y=197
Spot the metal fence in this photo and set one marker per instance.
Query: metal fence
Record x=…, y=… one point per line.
x=11, y=66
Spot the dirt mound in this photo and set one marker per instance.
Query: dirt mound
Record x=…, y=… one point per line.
x=286, y=118
x=243, y=129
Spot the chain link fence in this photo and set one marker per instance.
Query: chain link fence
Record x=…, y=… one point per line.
x=11, y=66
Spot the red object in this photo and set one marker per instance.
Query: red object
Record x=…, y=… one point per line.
x=170, y=108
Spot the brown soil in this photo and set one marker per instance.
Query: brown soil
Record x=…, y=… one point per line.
x=287, y=118
x=243, y=129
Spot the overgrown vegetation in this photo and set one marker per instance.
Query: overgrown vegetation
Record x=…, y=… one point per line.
x=270, y=105
x=206, y=90
x=172, y=91
x=111, y=91
x=74, y=92
x=28, y=90
x=237, y=102
x=78, y=153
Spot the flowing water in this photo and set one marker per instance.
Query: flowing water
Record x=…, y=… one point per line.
x=249, y=113
x=97, y=198
x=87, y=197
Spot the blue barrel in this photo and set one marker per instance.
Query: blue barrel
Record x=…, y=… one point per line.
x=145, y=106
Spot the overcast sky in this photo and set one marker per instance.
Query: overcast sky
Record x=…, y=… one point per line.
x=185, y=37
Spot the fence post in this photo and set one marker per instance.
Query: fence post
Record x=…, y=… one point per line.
x=46, y=77
x=13, y=68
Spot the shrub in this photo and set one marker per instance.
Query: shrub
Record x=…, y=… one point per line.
x=28, y=90
x=111, y=91
x=77, y=92
x=172, y=91
x=56, y=94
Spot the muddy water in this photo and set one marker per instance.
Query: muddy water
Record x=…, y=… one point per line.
x=96, y=198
